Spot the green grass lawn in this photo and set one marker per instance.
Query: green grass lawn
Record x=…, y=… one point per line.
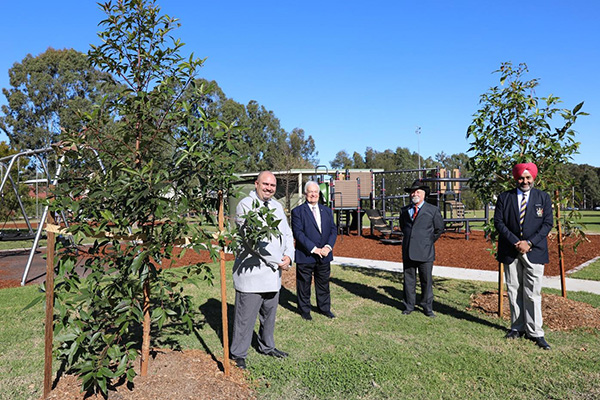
x=21, y=344
x=371, y=351
x=20, y=244
x=591, y=220
x=591, y=272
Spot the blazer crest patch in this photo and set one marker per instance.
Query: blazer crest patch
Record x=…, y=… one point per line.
x=539, y=210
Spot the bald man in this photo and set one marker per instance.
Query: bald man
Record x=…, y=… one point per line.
x=257, y=275
x=523, y=219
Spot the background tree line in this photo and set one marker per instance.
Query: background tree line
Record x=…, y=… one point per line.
x=49, y=91
x=400, y=159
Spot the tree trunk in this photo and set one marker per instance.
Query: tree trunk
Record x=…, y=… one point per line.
x=146, y=330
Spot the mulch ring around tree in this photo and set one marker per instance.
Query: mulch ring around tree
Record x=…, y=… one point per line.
x=559, y=313
x=191, y=374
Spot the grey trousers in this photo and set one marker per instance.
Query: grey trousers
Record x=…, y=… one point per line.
x=247, y=307
x=524, y=288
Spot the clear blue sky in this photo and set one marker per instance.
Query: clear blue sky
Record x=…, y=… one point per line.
x=358, y=74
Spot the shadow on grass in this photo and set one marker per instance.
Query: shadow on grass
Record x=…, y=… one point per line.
x=441, y=286
x=288, y=300
x=393, y=295
x=376, y=273
x=368, y=292
x=211, y=310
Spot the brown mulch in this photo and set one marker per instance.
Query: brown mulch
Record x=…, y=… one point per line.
x=193, y=374
x=559, y=313
x=8, y=282
x=452, y=250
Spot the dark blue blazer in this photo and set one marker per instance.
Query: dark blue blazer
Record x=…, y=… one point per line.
x=419, y=235
x=538, y=223
x=307, y=235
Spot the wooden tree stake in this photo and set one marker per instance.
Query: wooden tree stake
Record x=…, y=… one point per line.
x=223, y=292
x=561, y=262
x=49, y=328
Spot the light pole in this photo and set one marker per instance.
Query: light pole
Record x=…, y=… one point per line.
x=418, y=132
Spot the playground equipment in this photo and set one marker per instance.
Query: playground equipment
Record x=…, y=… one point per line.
x=378, y=194
x=290, y=187
x=10, y=166
x=40, y=158
x=384, y=197
x=449, y=200
x=7, y=164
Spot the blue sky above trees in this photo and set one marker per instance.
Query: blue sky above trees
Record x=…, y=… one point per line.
x=355, y=74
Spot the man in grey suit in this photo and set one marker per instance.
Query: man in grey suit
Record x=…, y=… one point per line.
x=523, y=219
x=421, y=225
x=257, y=275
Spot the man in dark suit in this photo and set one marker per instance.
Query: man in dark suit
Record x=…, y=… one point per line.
x=523, y=219
x=315, y=233
x=421, y=225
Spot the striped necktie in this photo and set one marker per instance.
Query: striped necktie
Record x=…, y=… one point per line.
x=415, y=212
x=522, y=210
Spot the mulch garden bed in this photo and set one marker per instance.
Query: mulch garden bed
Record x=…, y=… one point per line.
x=453, y=250
x=172, y=375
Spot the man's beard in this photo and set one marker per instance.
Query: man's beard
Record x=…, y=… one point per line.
x=526, y=189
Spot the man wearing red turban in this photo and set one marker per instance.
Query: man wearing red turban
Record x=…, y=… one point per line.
x=523, y=219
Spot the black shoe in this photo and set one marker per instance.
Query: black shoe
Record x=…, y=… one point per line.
x=276, y=353
x=306, y=316
x=239, y=362
x=329, y=314
x=541, y=342
x=406, y=312
x=514, y=334
x=430, y=314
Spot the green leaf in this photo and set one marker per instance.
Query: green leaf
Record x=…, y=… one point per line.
x=33, y=302
x=130, y=374
x=101, y=381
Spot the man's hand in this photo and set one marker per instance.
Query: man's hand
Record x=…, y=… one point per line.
x=522, y=246
x=285, y=263
x=325, y=251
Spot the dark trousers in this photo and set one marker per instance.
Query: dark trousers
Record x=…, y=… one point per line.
x=425, y=270
x=304, y=274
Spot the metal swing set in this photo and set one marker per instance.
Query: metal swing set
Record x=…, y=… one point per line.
x=8, y=165
x=39, y=158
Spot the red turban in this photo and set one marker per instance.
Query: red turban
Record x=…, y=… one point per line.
x=520, y=168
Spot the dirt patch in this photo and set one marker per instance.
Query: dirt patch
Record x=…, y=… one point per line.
x=559, y=313
x=191, y=374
